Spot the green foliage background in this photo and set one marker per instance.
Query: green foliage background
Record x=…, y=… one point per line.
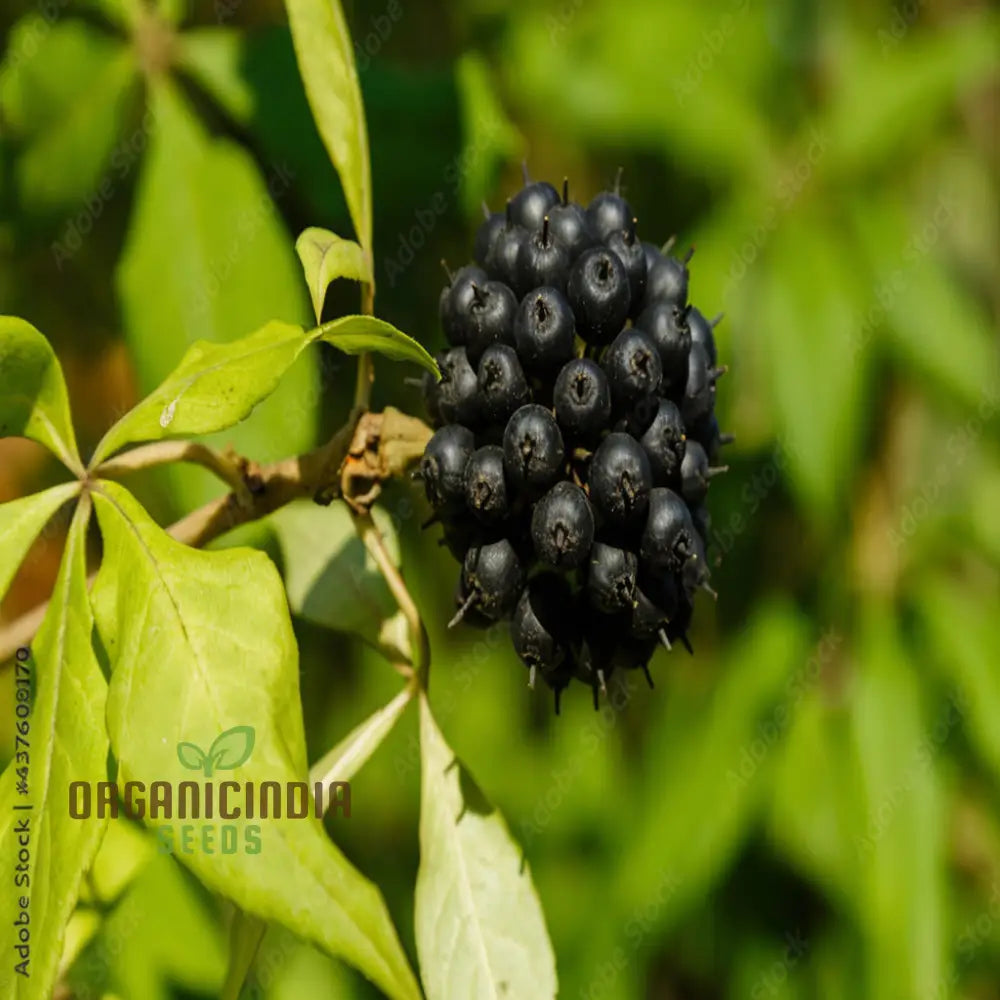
x=809, y=806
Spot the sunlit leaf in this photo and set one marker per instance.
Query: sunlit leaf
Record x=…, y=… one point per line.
x=326, y=61
x=480, y=928
x=65, y=743
x=326, y=257
x=201, y=642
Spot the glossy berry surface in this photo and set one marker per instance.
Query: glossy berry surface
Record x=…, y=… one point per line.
x=576, y=438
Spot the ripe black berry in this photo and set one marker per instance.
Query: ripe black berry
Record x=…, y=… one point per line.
x=598, y=291
x=562, y=526
x=490, y=318
x=620, y=479
x=633, y=368
x=582, y=398
x=542, y=260
x=542, y=624
x=701, y=332
x=667, y=280
x=533, y=452
x=456, y=300
x=667, y=327
x=442, y=467
x=696, y=473
x=502, y=385
x=608, y=213
x=544, y=330
x=611, y=575
x=492, y=579
x=486, y=485
x=663, y=443
x=486, y=235
x=458, y=398
x=532, y=203
x=629, y=250
x=699, y=390
x=668, y=540
x=501, y=259
x=569, y=226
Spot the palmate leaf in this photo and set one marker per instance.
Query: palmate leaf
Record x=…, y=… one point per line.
x=326, y=61
x=33, y=399
x=67, y=743
x=200, y=642
x=217, y=385
x=479, y=924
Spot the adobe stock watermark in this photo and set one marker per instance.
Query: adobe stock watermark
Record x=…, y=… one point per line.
x=166, y=800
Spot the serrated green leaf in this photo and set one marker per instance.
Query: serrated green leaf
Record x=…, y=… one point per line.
x=479, y=924
x=217, y=385
x=358, y=334
x=67, y=743
x=208, y=258
x=66, y=123
x=33, y=399
x=199, y=642
x=214, y=387
x=326, y=61
x=20, y=523
x=333, y=581
x=326, y=257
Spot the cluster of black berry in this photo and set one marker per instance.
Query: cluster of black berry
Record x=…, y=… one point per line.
x=576, y=432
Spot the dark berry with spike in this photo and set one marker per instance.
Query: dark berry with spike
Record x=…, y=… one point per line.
x=611, y=578
x=598, y=291
x=442, y=467
x=582, y=398
x=486, y=485
x=620, y=479
x=458, y=397
x=533, y=450
x=456, y=301
x=542, y=260
x=696, y=471
x=502, y=384
x=570, y=227
x=562, y=526
x=667, y=281
x=701, y=332
x=542, y=625
x=490, y=319
x=492, y=579
x=666, y=325
x=668, y=540
x=633, y=367
x=544, y=331
x=532, y=203
x=629, y=250
x=609, y=213
x=664, y=443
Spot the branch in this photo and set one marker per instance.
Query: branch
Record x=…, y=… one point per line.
x=280, y=483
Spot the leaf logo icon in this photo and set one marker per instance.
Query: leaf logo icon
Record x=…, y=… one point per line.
x=229, y=749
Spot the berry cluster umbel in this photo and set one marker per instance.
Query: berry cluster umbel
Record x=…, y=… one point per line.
x=575, y=438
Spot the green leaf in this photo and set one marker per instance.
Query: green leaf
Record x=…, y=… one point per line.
x=808, y=316
x=67, y=743
x=341, y=763
x=902, y=849
x=20, y=523
x=214, y=58
x=358, y=334
x=214, y=387
x=217, y=385
x=232, y=748
x=326, y=257
x=67, y=122
x=326, y=61
x=200, y=642
x=33, y=399
x=333, y=581
x=208, y=258
x=479, y=924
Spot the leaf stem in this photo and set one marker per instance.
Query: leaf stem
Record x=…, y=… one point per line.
x=366, y=370
x=232, y=470
x=375, y=544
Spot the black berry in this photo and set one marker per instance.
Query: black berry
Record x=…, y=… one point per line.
x=582, y=398
x=620, y=479
x=544, y=330
x=533, y=451
x=562, y=526
x=598, y=291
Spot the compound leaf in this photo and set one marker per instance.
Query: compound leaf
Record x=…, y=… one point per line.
x=33, y=399
x=199, y=643
x=67, y=743
x=479, y=924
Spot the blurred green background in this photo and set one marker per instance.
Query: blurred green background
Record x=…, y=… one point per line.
x=808, y=807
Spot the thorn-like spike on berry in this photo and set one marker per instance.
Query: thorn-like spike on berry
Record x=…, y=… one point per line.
x=714, y=373
x=687, y=643
x=532, y=674
x=601, y=681
x=618, y=180
x=669, y=245
x=545, y=231
x=704, y=585
x=727, y=438
x=690, y=253
x=565, y=191
x=649, y=677
x=509, y=214
x=524, y=172
x=448, y=271
x=486, y=210
x=460, y=614
x=662, y=635
x=716, y=470
x=717, y=320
